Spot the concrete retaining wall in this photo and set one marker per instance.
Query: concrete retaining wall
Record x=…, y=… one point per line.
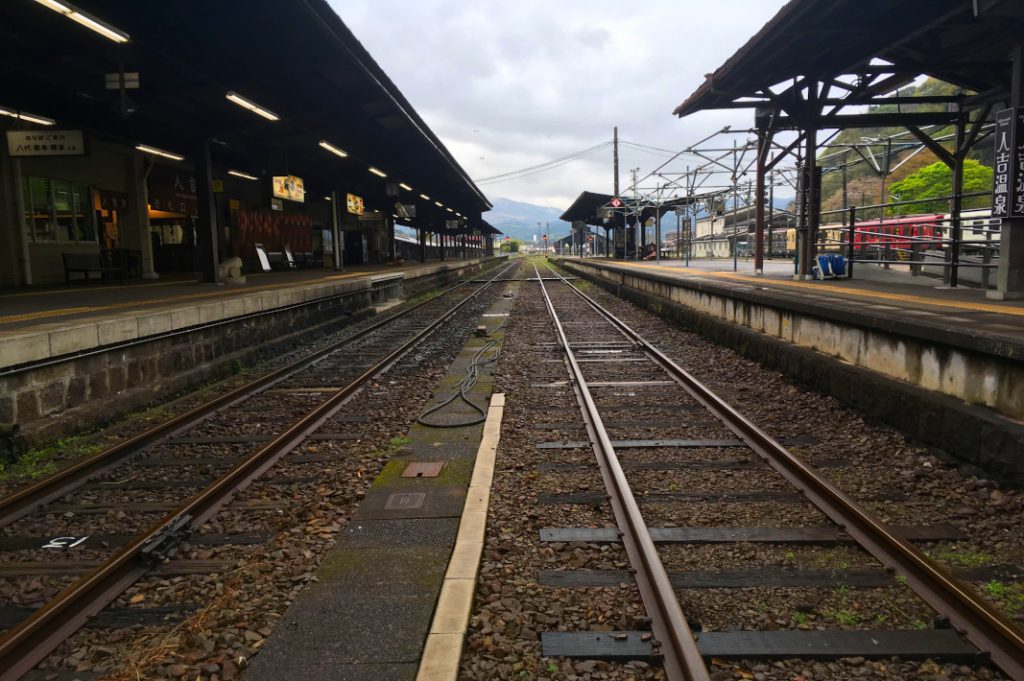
x=931, y=392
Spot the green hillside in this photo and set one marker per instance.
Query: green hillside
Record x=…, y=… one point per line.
x=864, y=186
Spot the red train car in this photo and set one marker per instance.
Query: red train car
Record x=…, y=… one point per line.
x=888, y=232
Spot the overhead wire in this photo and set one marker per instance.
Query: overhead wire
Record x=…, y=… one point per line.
x=547, y=165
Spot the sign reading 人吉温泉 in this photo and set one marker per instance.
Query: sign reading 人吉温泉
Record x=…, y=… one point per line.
x=46, y=143
x=1008, y=184
x=172, y=189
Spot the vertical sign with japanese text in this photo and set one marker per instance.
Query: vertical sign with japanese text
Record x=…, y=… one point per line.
x=1008, y=183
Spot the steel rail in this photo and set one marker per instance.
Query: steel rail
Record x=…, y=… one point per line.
x=981, y=622
x=680, y=655
x=24, y=646
x=28, y=499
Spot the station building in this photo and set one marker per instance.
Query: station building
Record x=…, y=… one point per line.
x=148, y=144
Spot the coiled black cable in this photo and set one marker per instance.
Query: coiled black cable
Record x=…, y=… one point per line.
x=472, y=374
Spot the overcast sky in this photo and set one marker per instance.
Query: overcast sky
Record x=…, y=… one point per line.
x=507, y=85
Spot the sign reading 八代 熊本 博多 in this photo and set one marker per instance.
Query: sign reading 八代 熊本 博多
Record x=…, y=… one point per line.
x=46, y=143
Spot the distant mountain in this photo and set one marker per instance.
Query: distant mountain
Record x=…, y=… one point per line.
x=518, y=219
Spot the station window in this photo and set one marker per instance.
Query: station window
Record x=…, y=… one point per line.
x=58, y=211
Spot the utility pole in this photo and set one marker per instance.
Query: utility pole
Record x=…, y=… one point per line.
x=735, y=205
x=637, y=238
x=615, y=160
x=615, y=185
x=746, y=230
x=657, y=232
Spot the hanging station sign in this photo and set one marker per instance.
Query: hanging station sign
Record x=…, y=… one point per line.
x=1008, y=184
x=354, y=204
x=46, y=143
x=172, y=189
x=288, y=187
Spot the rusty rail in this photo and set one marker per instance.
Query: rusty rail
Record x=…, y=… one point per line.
x=680, y=656
x=27, y=499
x=25, y=645
x=968, y=611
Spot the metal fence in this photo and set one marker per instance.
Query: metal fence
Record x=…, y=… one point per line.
x=957, y=248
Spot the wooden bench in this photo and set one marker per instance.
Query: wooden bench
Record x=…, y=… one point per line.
x=87, y=263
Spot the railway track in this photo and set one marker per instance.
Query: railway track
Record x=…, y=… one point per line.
x=207, y=456
x=592, y=341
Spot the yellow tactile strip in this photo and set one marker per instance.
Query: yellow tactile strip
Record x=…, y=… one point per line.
x=443, y=651
x=864, y=294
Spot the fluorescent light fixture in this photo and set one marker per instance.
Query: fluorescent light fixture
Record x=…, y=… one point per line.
x=449, y=210
x=86, y=19
x=424, y=197
x=244, y=176
x=159, y=152
x=324, y=144
x=251, y=106
x=438, y=204
x=377, y=171
x=22, y=116
x=327, y=198
x=405, y=186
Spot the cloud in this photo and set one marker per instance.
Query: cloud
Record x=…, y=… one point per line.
x=508, y=85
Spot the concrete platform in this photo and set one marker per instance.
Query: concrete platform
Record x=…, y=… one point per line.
x=75, y=357
x=911, y=306
x=39, y=324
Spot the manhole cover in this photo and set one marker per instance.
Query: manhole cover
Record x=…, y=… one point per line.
x=423, y=469
x=405, y=501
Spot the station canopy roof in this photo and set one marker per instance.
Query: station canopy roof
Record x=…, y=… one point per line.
x=294, y=58
x=585, y=208
x=588, y=205
x=888, y=43
x=479, y=225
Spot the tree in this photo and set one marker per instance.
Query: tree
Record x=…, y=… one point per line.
x=510, y=246
x=936, y=180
